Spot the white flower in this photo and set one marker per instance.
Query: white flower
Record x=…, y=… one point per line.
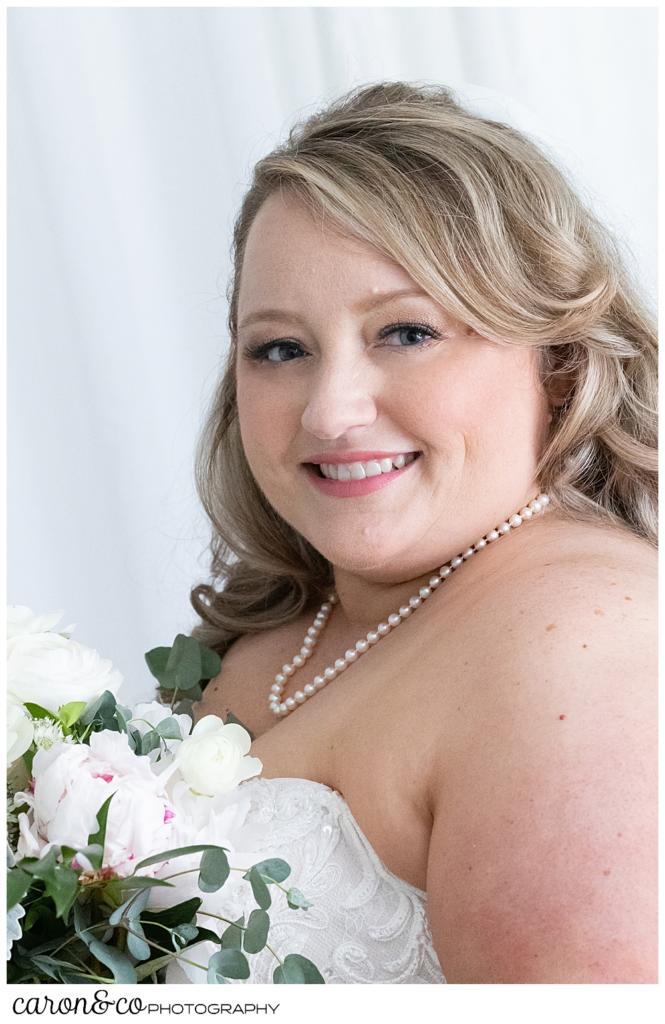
x=47, y=733
x=22, y=620
x=213, y=760
x=72, y=781
x=14, y=914
x=51, y=670
x=19, y=730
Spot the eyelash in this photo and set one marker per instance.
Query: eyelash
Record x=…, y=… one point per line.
x=259, y=353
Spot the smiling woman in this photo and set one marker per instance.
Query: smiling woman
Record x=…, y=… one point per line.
x=434, y=348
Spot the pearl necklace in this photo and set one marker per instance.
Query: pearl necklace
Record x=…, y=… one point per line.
x=281, y=707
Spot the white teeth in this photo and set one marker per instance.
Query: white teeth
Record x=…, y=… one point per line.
x=360, y=470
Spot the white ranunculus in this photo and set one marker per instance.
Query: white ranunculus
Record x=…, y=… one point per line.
x=50, y=670
x=22, y=620
x=20, y=730
x=212, y=760
x=72, y=781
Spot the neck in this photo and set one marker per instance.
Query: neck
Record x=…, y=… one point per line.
x=366, y=599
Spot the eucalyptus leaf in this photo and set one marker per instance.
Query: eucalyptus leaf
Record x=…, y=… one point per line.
x=118, y=963
x=136, y=944
x=149, y=741
x=297, y=900
x=180, y=851
x=214, y=870
x=259, y=888
x=229, y=963
x=182, y=934
x=211, y=663
x=18, y=883
x=156, y=660
x=169, y=729
x=297, y=970
x=183, y=668
x=232, y=936
x=172, y=916
x=273, y=870
x=256, y=935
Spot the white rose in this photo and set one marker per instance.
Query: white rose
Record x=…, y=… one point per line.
x=20, y=730
x=22, y=620
x=51, y=670
x=72, y=781
x=212, y=760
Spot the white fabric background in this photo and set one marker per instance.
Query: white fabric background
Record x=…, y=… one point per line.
x=132, y=133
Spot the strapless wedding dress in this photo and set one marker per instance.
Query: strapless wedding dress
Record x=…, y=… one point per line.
x=365, y=925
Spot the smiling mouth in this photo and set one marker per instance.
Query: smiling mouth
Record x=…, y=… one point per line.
x=410, y=457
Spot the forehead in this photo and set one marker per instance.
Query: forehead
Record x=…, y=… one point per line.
x=291, y=252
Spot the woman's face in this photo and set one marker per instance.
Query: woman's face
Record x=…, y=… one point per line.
x=342, y=379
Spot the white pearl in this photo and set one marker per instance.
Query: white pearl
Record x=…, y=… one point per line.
x=434, y=582
x=333, y=598
x=290, y=703
x=318, y=682
x=276, y=710
x=309, y=689
x=535, y=505
x=312, y=633
x=283, y=708
x=326, y=607
x=526, y=512
x=383, y=628
x=340, y=664
x=394, y=619
x=492, y=535
x=444, y=572
x=515, y=520
x=425, y=592
x=351, y=655
x=298, y=661
x=468, y=553
x=415, y=602
x=361, y=646
x=504, y=528
x=372, y=637
x=309, y=641
x=544, y=499
x=456, y=562
x=404, y=611
x=276, y=688
x=273, y=699
x=480, y=544
x=329, y=673
x=287, y=670
x=299, y=696
x=305, y=653
x=280, y=678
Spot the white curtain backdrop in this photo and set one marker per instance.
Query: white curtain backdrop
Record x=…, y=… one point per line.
x=132, y=133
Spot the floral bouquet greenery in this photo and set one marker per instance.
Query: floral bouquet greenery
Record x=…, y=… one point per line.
x=113, y=810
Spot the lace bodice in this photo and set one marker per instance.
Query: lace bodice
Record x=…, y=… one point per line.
x=366, y=925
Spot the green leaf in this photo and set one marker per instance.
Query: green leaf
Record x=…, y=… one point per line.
x=70, y=713
x=37, y=711
x=144, y=970
x=182, y=934
x=256, y=935
x=297, y=970
x=297, y=901
x=149, y=741
x=18, y=883
x=232, y=936
x=118, y=963
x=259, y=888
x=156, y=660
x=123, y=716
x=273, y=870
x=98, y=838
x=214, y=870
x=169, y=729
x=211, y=663
x=60, y=882
x=231, y=718
x=180, y=851
x=183, y=668
x=227, y=963
x=101, y=713
x=136, y=944
x=172, y=916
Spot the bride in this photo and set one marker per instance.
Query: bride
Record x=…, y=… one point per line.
x=430, y=472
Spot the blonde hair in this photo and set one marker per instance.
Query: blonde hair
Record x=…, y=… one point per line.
x=493, y=230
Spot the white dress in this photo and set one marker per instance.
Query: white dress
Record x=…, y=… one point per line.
x=366, y=925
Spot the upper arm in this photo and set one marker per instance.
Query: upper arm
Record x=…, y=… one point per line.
x=543, y=859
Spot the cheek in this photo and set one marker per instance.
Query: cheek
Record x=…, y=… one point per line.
x=262, y=422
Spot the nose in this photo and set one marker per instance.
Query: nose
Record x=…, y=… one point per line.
x=340, y=398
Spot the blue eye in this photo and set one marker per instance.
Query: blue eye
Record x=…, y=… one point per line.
x=262, y=353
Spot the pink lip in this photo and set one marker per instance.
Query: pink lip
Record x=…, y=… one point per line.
x=337, y=457
x=354, y=488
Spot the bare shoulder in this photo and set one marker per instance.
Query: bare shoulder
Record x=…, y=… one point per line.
x=548, y=805
x=248, y=669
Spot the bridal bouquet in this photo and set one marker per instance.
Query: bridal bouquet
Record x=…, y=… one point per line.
x=123, y=823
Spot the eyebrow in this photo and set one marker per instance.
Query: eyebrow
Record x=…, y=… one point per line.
x=362, y=307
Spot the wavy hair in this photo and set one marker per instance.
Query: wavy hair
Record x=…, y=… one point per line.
x=494, y=231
